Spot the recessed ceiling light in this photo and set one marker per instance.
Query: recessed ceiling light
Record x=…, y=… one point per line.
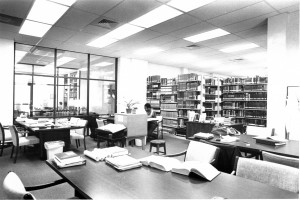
x=34, y=28
x=156, y=16
x=207, y=35
x=239, y=47
x=102, y=64
x=147, y=51
x=124, y=31
x=188, y=5
x=102, y=42
x=46, y=12
x=65, y=2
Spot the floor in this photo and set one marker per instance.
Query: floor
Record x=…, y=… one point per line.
x=34, y=171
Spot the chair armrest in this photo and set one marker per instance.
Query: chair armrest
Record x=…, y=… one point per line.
x=43, y=186
x=176, y=154
x=213, y=162
x=233, y=172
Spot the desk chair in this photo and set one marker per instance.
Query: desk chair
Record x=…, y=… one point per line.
x=20, y=141
x=199, y=151
x=14, y=189
x=79, y=134
x=277, y=175
x=284, y=160
x=5, y=138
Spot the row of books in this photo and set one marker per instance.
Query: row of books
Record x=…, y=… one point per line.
x=168, y=98
x=169, y=114
x=153, y=79
x=248, y=80
x=212, y=90
x=256, y=114
x=170, y=122
x=233, y=113
x=213, y=81
x=153, y=86
x=168, y=81
x=263, y=87
x=168, y=106
x=189, y=104
x=188, y=77
x=255, y=122
x=188, y=168
x=256, y=105
x=233, y=105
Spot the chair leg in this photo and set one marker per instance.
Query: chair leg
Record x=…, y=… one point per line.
x=165, y=149
x=76, y=144
x=16, y=155
x=98, y=142
x=157, y=149
x=2, y=146
x=12, y=151
x=84, y=144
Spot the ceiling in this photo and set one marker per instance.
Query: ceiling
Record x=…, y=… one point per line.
x=245, y=20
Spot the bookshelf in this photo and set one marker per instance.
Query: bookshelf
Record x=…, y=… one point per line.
x=212, y=95
x=245, y=100
x=189, y=96
x=153, y=92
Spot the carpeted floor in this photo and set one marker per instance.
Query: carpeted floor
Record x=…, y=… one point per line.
x=33, y=171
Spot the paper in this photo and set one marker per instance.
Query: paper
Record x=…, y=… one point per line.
x=112, y=127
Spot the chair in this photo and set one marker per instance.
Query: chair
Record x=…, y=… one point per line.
x=158, y=144
x=199, y=151
x=154, y=125
x=289, y=161
x=5, y=138
x=73, y=120
x=277, y=175
x=13, y=187
x=20, y=141
x=80, y=133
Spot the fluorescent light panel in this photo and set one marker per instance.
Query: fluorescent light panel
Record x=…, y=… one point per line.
x=147, y=51
x=34, y=28
x=156, y=16
x=102, y=64
x=124, y=31
x=188, y=5
x=207, y=35
x=102, y=42
x=46, y=12
x=239, y=48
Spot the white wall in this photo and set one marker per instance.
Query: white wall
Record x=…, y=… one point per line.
x=163, y=70
x=6, y=80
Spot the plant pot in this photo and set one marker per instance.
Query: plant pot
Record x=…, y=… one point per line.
x=128, y=110
x=133, y=111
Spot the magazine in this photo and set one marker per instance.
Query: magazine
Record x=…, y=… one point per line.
x=205, y=170
x=101, y=154
x=160, y=162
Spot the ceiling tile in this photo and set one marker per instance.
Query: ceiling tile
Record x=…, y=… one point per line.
x=96, y=30
x=193, y=30
x=176, y=44
x=290, y=9
x=131, y=9
x=220, y=7
x=58, y=33
x=257, y=31
x=81, y=38
x=49, y=43
x=8, y=27
x=219, y=40
x=8, y=35
x=281, y=4
x=160, y=40
x=98, y=7
x=26, y=39
x=75, y=19
x=176, y=23
x=243, y=14
x=143, y=36
x=15, y=8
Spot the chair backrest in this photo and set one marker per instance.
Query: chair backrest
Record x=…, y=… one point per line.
x=281, y=176
x=81, y=122
x=289, y=161
x=14, y=189
x=14, y=135
x=2, y=134
x=74, y=120
x=100, y=122
x=199, y=151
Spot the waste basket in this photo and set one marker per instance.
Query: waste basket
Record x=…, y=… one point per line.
x=54, y=147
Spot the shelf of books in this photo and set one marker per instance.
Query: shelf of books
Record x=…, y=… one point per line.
x=168, y=104
x=189, y=97
x=153, y=92
x=245, y=99
x=212, y=95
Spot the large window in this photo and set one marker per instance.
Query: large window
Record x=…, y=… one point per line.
x=56, y=83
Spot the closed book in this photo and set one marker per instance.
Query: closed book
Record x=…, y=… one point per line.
x=79, y=161
x=124, y=162
x=67, y=157
x=269, y=141
x=204, y=136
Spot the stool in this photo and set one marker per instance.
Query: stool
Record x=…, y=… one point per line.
x=158, y=144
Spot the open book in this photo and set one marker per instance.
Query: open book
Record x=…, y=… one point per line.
x=160, y=162
x=101, y=154
x=202, y=169
x=112, y=127
x=204, y=136
x=124, y=162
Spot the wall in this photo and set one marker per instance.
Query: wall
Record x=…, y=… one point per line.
x=163, y=70
x=6, y=80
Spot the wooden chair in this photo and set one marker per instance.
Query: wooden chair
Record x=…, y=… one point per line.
x=79, y=134
x=20, y=141
x=277, y=175
x=199, y=151
x=13, y=187
x=5, y=138
x=284, y=160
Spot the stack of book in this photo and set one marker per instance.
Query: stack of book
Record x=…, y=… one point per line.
x=271, y=140
x=124, y=162
x=101, y=154
x=68, y=159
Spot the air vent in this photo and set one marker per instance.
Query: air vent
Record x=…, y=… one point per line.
x=193, y=46
x=105, y=23
x=237, y=59
x=7, y=19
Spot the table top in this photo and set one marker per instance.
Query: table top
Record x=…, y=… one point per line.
x=42, y=128
x=97, y=180
x=291, y=148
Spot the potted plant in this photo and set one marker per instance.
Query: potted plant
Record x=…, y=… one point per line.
x=129, y=105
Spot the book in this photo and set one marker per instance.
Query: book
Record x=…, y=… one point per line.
x=78, y=161
x=202, y=169
x=113, y=128
x=204, y=136
x=269, y=141
x=101, y=154
x=160, y=162
x=124, y=162
x=67, y=157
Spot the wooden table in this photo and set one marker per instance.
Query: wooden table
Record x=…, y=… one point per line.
x=97, y=180
x=291, y=148
x=46, y=134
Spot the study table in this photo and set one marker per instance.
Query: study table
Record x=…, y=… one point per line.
x=291, y=148
x=97, y=180
x=47, y=133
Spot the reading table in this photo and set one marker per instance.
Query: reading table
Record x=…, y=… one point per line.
x=97, y=180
